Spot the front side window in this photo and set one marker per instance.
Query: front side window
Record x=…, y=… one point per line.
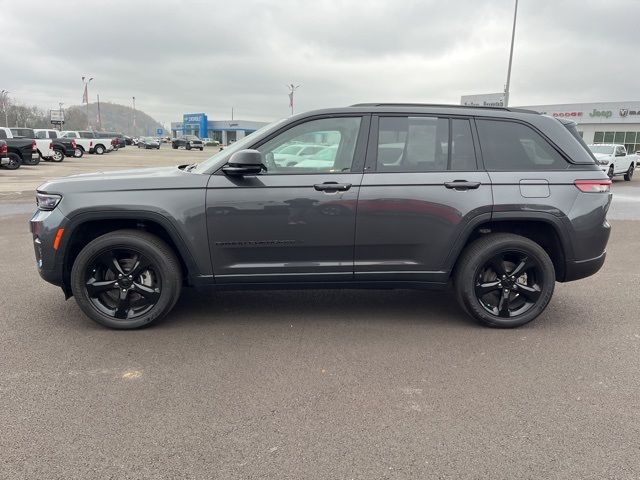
x=319, y=146
x=87, y=135
x=511, y=146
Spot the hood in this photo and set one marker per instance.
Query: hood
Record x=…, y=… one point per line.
x=121, y=180
x=603, y=156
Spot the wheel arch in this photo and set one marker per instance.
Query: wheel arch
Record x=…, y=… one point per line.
x=544, y=229
x=87, y=226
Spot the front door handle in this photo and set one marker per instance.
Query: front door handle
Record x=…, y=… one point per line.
x=462, y=185
x=332, y=187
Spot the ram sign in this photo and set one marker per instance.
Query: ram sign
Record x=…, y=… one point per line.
x=483, y=100
x=57, y=117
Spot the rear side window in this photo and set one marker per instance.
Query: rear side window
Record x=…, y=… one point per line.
x=513, y=146
x=3, y=134
x=424, y=144
x=86, y=135
x=53, y=134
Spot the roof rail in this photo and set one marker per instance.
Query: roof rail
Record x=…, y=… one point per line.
x=443, y=105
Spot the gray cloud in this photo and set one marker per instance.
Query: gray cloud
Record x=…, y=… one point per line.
x=190, y=56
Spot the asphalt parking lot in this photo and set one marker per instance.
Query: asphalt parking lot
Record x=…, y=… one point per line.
x=335, y=384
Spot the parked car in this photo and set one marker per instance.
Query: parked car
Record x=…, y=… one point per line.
x=4, y=150
x=128, y=140
x=614, y=160
x=118, y=139
x=63, y=147
x=90, y=142
x=188, y=142
x=502, y=227
x=20, y=151
x=209, y=142
x=44, y=147
x=148, y=142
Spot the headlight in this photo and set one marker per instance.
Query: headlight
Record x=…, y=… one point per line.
x=47, y=201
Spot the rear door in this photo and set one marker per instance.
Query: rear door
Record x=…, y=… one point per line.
x=421, y=191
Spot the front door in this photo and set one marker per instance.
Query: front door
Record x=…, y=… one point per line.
x=420, y=192
x=296, y=221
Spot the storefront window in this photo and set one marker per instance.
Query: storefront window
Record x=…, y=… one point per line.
x=608, y=137
x=619, y=137
x=598, y=137
x=630, y=137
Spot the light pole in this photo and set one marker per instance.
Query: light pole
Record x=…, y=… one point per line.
x=60, y=104
x=134, y=115
x=513, y=36
x=85, y=97
x=3, y=95
x=292, y=89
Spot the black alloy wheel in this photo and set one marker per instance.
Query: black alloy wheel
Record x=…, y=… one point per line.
x=14, y=161
x=509, y=284
x=126, y=279
x=504, y=280
x=122, y=283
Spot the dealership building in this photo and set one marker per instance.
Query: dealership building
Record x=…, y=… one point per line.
x=224, y=131
x=601, y=122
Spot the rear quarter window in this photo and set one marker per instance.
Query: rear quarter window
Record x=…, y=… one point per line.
x=514, y=146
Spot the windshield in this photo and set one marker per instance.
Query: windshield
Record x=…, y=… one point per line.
x=223, y=155
x=608, y=149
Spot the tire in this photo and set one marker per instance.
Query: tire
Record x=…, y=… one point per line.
x=201, y=149
x=175, y=147
x=78, y=153
x=187, y=146
x=14, y=161
x=610, y=172
x=99, y=150
x=94, y=263
x=58, y=155
x=477, y=271
x=629, y=175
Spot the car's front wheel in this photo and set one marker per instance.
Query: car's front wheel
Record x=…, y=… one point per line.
x=58, y=155
x=504, y=280
x=126, y=279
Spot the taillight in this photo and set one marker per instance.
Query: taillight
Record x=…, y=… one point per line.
x=74, y=144
x=4, y=149
x=593, y=186
x=34, y=146
x=91, y=143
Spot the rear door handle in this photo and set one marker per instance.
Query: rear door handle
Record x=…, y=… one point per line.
x=332, y=187
x=462, y=185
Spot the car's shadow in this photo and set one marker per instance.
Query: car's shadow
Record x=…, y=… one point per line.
x=266, y=306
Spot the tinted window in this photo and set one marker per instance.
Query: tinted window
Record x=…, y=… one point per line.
x=53, y=134
x=463, y=155
x=421, y=144
x=514, y=146
x=3, y=134
x=329, y=143
x=86, y=135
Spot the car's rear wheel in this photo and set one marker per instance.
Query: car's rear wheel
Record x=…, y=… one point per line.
x=126, y=279
x=504, y=280
x=58, y=155
x=14, y=161
x=187, y=146
x=629, y=175
x=78, y=153
x=175, y=147
x=99, y=150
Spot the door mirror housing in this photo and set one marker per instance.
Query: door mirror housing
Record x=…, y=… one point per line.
x=245, y=162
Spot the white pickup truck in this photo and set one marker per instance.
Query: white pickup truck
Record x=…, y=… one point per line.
x=44, y=146
x=614, y=160
x=90, y=142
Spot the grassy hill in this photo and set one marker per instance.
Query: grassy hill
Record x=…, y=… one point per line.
x=114, y=117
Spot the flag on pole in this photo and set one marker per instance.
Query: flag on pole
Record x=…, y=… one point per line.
x=85, y=95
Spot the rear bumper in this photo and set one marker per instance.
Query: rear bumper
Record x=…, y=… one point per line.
x=4, y=161
x=577, y=269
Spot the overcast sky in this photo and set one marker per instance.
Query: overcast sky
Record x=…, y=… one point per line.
x=204, y=56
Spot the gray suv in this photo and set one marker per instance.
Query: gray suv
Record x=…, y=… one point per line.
x=501, y=203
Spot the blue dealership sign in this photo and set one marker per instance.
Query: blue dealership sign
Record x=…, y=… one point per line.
x=195, y=122
x=159, y=131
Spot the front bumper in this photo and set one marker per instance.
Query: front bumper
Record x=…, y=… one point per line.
x=44, y=226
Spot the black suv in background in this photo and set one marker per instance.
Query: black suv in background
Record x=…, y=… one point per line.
x=500, y=202
x=119, y=139
x=188, y=142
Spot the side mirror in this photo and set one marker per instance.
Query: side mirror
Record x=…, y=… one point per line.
x=245, y=162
